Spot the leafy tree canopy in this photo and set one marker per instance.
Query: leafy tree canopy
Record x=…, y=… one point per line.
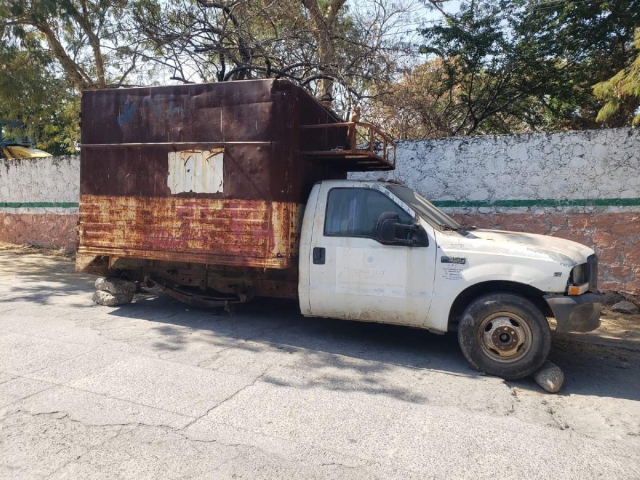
x=35, y=102
x=524, y=64
x=493, y=66
x=621, y=93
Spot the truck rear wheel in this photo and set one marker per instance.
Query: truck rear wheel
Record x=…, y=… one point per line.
x=504, y=334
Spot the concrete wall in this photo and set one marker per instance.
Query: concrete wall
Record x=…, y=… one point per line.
x=39, y=201
x=600, y=166
x=583, y=186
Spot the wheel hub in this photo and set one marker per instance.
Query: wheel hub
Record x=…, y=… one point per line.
x=503, y=337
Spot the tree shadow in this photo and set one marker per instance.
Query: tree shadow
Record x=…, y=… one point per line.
x=43, y=279
x=371, y=349
x=350, y=355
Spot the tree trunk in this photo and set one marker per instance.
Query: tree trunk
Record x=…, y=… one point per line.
x=323, y=29
x=77, y=75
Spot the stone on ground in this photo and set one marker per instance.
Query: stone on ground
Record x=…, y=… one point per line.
x=115, y=285
x=549, y=376
x=112, y=299
x=625, y=307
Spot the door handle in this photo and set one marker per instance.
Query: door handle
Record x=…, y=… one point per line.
x=318, y=255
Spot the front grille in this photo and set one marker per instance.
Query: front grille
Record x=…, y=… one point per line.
x=591, y=273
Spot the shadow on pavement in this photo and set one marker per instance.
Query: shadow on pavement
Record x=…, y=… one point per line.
x=43, y=279
x=367, y=349
x=605, y=371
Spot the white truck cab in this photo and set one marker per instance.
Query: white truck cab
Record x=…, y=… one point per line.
x=379, y=252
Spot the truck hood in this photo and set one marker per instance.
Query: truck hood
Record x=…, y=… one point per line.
x=563, y=251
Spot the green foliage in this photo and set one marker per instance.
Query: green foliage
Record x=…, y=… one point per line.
x=525, y=64
x=51, y=50
x=622, y=91
x=40, y=102
x=95, y=43
x=495, y=66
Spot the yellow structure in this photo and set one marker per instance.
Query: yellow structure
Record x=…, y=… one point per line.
x=21, y=151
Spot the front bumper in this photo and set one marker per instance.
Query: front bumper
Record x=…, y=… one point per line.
x=580, y=313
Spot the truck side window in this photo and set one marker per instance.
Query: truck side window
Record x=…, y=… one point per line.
x=354, y=212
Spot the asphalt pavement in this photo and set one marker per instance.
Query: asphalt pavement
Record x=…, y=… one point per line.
x=157, y=389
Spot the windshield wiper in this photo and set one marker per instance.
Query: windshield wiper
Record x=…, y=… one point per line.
x=458, y=229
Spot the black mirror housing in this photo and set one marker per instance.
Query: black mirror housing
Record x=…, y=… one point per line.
x=386, y=231
x=389, y=231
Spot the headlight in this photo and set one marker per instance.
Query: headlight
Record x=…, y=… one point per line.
x=577, y=280
x=577, y=275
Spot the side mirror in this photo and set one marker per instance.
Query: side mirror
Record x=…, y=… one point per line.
x=389, y=231
x=386, y=227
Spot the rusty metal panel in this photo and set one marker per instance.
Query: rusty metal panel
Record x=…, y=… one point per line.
x=256, y=233
x=127, y=135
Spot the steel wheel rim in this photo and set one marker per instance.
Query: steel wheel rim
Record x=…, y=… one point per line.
x=505, y=337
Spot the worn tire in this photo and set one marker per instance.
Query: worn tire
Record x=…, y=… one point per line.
x=504, y=334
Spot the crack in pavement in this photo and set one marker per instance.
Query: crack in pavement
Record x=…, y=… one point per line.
x=8, y=405
x=62, y=415
x=63, y=385
x=230, y=397
x=88, y=450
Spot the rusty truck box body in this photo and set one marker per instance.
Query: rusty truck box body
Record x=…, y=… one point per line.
x=203, y=173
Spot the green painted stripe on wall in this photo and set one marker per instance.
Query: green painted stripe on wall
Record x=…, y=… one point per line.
x=583, y=202
x=38, y=204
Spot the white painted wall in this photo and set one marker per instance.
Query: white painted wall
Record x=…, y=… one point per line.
x=594, y=164
x=48, y=185
x=40, y=180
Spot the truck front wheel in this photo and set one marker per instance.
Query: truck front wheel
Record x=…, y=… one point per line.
x=504, y=334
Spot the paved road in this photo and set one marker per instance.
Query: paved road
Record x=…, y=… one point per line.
x=153, y=390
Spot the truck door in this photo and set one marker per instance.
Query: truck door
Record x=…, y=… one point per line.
x=353, y=276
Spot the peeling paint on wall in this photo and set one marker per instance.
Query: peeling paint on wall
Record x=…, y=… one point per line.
x=35, y=183
x=39, y=201
x=576, y=171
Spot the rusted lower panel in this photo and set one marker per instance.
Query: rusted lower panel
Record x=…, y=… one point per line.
x=254, y=233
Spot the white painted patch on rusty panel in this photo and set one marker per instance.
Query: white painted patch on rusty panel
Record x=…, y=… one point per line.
x=381, y=272
x=196, y=171
x=277, y=224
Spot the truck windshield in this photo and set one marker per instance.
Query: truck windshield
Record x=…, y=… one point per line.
x=423, y=207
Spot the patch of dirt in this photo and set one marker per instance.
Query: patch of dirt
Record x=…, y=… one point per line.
x=624, y=325
x=617, y=331
x=29, y=249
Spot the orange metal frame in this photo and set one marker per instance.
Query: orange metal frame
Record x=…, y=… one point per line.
x=374, y=134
